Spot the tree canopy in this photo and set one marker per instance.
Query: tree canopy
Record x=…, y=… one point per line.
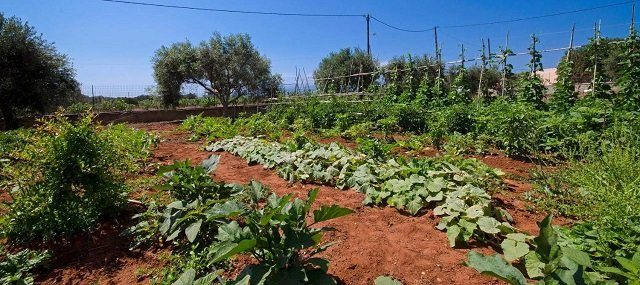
x=33, y=75
x=228, y=68
x=339, y=66
x=610, y=54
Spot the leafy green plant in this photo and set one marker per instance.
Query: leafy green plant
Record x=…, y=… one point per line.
x=374, y=148
x=16, y=268
x=629, y=271
x=282, y=241
x=548, y=262
x=187, y=182
x=76, y=178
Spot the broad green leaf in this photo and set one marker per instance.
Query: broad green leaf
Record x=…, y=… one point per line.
x=546, y=241
x=533, y=265
x=230, y=232
x=207, y=279
x=385, y=280
x=174, y=235
x=577, y=256
x=514, y=250
x=488, y=225
x=495, y=266
x=186, y=278
x=210, y=164
x=469, y=228
x=628, y=265
x=192, y=230
x=320, y=263
x=330, y=212
x=436, y=185
x=414, y=206
x=518, y=237
x=166, y=168
x=452, y=235
x=227, y=250
x=616, y=271
x=437, y=197
x=475, y=211
x=311, y=197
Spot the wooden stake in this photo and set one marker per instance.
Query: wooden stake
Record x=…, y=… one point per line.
x=504, y=65
x=484, y=62
x=596, y=32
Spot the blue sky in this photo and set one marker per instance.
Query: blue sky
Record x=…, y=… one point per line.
x=112, y=44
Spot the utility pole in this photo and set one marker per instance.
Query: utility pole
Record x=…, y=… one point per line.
x=435, y=36
x=368, y=17
x=573, y=30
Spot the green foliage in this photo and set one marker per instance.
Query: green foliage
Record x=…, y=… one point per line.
x=629, y=80
x=16, y=268
x=410, y=186
x=245, y=70
x=599, y=89
x=342, y=64
x=282, y=241
x=603, y=191
x=186, y=182
x=459, y=91
x=629, y=271
x=548, y=262
x=530, y=87
x=71, y=176
x=374, y=148
x=495, y=266
x=564, y=94
x=34, y=75
x=214, y=128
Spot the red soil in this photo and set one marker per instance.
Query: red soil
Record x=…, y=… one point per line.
x=373, y=241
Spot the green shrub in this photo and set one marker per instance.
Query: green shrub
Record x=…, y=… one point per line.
x=75, y=177
x=602, y=190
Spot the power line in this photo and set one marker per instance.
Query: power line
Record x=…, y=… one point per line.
x=504, y=21
x=400, y=29
x=537, y=17
x=232, y=11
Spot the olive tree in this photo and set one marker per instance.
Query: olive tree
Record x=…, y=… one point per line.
x=33, y=75
x=228, y=68
x=339, y=66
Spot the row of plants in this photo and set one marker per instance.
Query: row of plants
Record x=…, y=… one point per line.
x=64, y=177
x=517, y=128
x=453, y=187
x=208, y=223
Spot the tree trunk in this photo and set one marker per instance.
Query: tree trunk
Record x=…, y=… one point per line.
x=10, y=121
x=225, y=108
